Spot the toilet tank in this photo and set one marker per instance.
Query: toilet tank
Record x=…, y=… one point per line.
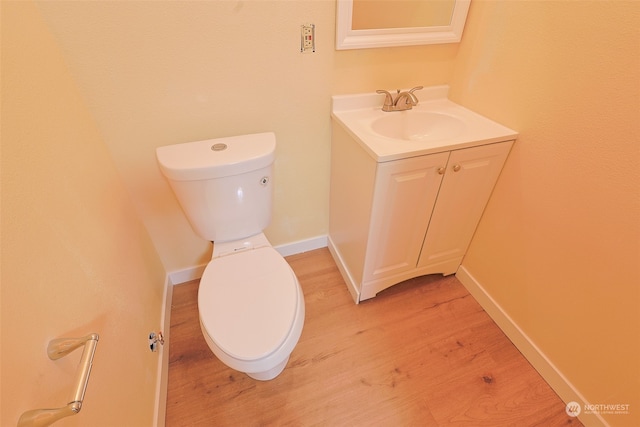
x=223, y=185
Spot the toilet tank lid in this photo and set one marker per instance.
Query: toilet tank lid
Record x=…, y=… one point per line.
x=217, y=158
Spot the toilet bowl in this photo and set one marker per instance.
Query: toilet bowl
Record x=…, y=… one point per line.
x=251, y=308
x=250, y=303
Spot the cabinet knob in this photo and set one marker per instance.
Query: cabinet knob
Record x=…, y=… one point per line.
x=441, y=171
x=456, y=168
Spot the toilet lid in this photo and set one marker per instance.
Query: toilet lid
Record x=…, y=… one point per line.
x=248, y=301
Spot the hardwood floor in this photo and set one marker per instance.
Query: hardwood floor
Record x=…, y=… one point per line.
x=422, y=353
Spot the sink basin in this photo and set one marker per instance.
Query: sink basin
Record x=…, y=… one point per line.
x=418, y=126
x=435, y=125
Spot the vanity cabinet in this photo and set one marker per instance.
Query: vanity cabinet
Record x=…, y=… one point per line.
x=391, y=221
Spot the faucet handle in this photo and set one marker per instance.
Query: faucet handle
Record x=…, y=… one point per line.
x=388, y=99
x=414, y=99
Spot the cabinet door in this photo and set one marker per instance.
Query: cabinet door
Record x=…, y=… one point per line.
x=468, y=182
x=404, y=195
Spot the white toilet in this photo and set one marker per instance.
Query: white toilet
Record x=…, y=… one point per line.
x=250, y=302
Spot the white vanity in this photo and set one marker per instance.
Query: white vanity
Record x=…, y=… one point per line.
x=408, y=188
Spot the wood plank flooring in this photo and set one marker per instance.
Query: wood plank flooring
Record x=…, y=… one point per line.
x=422, y=353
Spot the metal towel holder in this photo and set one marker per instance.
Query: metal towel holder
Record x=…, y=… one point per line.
x=59, y=348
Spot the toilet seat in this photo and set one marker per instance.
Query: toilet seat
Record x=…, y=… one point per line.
x=248, y=302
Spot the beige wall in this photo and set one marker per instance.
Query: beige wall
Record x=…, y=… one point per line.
x=158, y=73
x=76, y=258
x=559, y=245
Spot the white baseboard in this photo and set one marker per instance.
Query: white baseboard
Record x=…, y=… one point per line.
x=163, y=354
x=344, y=271
x=302, y=246
x=541, y=363
x=186, y=274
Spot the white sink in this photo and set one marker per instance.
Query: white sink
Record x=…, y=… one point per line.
x=414, y=125
x=436, y=124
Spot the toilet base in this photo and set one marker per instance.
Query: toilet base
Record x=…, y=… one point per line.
x=271, y=373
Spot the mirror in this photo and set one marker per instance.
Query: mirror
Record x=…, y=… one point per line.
x=362, y=24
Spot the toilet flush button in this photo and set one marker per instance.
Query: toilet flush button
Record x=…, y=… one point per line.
x=219, y=147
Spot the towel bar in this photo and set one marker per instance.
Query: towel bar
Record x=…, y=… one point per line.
x=59, y=348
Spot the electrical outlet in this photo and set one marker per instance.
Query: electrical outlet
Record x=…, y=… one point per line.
x=307, y=38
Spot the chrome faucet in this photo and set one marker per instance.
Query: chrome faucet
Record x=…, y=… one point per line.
x=403, y=101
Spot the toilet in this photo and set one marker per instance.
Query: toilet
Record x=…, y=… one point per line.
x=250, y=303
